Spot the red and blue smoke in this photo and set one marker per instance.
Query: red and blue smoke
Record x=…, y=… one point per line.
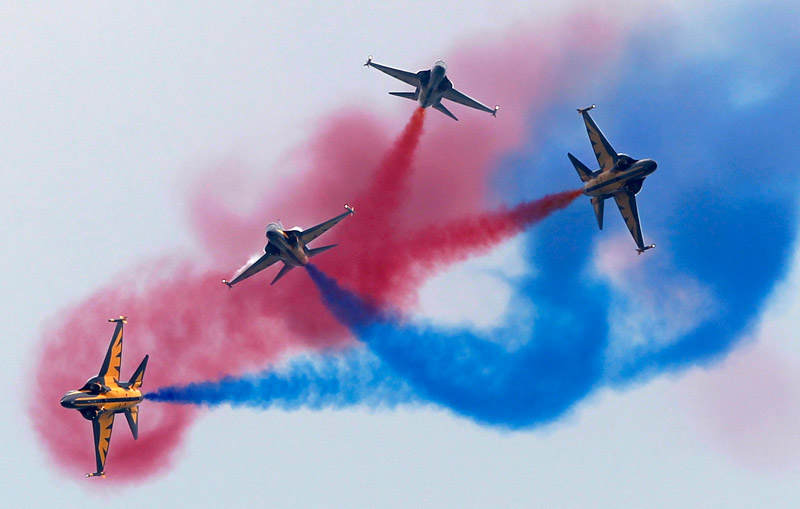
x=722, y=208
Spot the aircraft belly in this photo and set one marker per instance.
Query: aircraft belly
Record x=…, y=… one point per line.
x=426, y=98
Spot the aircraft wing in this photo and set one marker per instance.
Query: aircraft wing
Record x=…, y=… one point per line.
x=626, y=202
x=312, y=233
x=257, y=266
x=113, y=360
x=405, y=76
x=457, y=97
x=605, y=153
x=102, y=438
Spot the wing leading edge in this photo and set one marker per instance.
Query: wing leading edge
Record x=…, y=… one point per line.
x=102, y=426
x=405, y=76
x=461, y=98
x=605, y=153
x=312, y=233
x=113, y=360
x=626, y=202
x=257, y=266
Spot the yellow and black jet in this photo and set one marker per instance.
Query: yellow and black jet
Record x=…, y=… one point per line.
x=104, y=395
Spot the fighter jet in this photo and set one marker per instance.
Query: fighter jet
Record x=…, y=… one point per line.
x=619, y=177
x=431, y=86
x=103, y=396
x=289, y=247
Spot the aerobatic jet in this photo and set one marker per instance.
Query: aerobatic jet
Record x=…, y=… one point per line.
x=431, y=86
x=104, y=396
x=619, y=177
x=289, y=247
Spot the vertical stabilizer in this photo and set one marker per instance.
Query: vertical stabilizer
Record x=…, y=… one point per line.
x=318, y=250
x=598, y=204
x=138, y=376
x=286, y=268
x=132, y=414
x=583, y=172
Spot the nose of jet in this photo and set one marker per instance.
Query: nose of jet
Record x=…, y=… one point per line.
x=651, y=165
x=68, y=400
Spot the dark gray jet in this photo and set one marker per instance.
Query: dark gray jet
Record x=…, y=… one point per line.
x=619, y=177
x=431, y=86
x=289, y=247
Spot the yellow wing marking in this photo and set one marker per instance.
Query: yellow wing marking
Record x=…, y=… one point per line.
x=113, y=360
x=102, y=437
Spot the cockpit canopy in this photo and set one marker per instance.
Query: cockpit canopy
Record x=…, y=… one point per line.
x=624, y=161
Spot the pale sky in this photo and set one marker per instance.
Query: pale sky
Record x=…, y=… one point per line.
x=108, y=110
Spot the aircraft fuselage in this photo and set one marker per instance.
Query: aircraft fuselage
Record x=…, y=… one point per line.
x=606, y=184
x=433, y=85
x=91, y=402
x=292, y=250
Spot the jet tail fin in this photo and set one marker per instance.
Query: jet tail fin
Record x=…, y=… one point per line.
x=138, y=376
x=406, y=95
x=318, y=250
x=132, y=414
x=286, y=268
x=583, y=172
x=598, y=204
x=440, y=107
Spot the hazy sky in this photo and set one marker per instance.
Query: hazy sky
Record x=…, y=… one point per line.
x=109, y=112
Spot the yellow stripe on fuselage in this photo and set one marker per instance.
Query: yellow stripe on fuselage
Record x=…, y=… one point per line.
x=116, y=399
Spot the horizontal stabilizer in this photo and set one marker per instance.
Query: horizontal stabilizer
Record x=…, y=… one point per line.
x=318, y=250
x=406, y=95
x=583, y=172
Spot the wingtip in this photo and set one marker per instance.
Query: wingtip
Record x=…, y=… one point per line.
x=350, y=208
x=496, y=107
x=123, y=319
x=640, y=251
x=227, y=283
x=584, y=110
x=368, y=62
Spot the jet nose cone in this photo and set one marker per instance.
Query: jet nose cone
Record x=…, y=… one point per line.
x=68, y=400
x=649, y=165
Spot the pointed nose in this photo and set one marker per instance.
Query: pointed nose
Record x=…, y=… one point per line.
x=68, y=400
x=649, y=165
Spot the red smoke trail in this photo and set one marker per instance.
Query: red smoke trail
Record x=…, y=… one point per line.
x=440, y=245
x=194, y=329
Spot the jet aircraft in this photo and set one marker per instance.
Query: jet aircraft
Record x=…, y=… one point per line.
x=103, y=396
x=432, y=85
x=289, y=247
x=619, y=177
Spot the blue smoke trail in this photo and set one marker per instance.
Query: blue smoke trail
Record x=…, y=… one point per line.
x=318, y=382
x=472, y=376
